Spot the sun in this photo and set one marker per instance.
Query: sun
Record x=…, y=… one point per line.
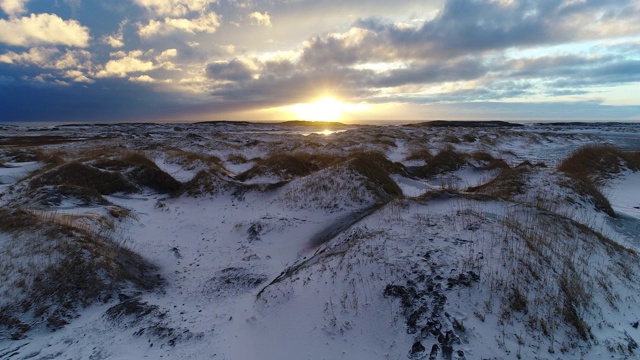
x=323, y=109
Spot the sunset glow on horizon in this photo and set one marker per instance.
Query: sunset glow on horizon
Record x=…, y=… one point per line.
x=324, y=109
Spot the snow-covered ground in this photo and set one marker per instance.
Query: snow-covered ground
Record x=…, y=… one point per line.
x=324, y=259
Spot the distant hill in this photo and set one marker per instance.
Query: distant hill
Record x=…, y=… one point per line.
x=444, y=123
x=322, y=124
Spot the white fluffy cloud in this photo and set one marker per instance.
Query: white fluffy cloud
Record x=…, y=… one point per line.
x=129, y=63
x=13, y=7
x=49, y=58
x=116, y=40
x=143, y=79
x=38, y=56
x=206, y=23
x=39, y=29
x=78, y=77
x=174, y=8
x=167, y=55
x=260, y=19
x=73, y=65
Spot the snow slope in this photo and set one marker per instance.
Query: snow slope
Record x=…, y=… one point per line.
x=323, y=267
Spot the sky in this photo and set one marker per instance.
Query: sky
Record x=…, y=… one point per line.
x=349, y=60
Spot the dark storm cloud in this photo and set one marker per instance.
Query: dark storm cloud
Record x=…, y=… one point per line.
x=112, y=100
x=438, y=72
x=575, y=71
x=234, y=70
x=464, y=26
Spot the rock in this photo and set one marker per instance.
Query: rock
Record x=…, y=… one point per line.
x=417, y=350
x=434, y=352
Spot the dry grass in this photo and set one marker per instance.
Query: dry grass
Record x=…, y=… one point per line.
x=575, y=297
x=420, y=155
x=54, y=195
x=377, y=168
x=469, y=138
x=289, y=166
x=508, y=184
x=41, y=140
x=481, y=156
x=590, y=166
x=445, y=161
x=51, y=267
x=190, y=160
x=597, y=163
x=206, y=182
x=488, y=162
x=551, y=273
x=588, y=189
x=452, y=139
x=49, y=158
x=81, y=175
x=237, y=159
x=106, y=176
x=384, y=140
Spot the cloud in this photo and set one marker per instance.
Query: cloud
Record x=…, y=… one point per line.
x=258, y=18
x=206, y=23
x=235, y=70
x=70, y=65
x=13, y=7
x=106, y=100
x=465, y=28
x=175, y=8
x=125, y=64
x=39, y=56
x=50, y=58
x=39, y=29
x=167, y=55
x=436, y=72
x=78, y=77
x=467, y=51
x=145, y=79
x=116, y=40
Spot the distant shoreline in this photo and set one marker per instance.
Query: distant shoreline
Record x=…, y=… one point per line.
x=329, y=123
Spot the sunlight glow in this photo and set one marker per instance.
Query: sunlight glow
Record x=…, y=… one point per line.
x=324, y=109
x=324, y=132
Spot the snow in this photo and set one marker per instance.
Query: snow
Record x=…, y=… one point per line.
x=624, y=194
x=244, y=278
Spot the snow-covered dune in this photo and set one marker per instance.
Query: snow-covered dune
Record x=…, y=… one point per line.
x=259, y=241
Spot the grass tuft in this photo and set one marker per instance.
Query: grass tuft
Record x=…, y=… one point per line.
x=54, y=195
x=445, y=161
x=108, y=176
x=290, y=166
x=237, y=159
x=597, y=163
x=377, y=168
x=81, y=175
x=59, y=266
x=205, y=182
x=420, y=155
x=508, y=184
